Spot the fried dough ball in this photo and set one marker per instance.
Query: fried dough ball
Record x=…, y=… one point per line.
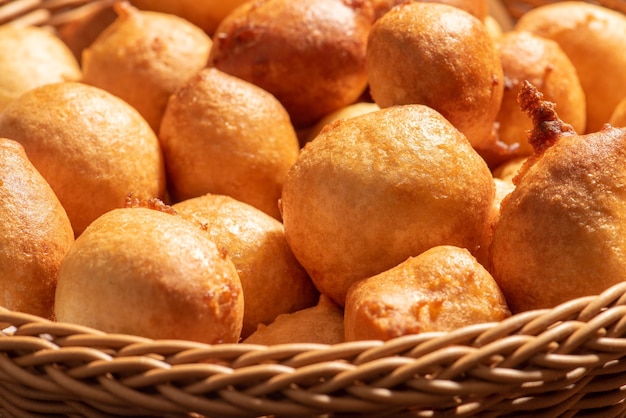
x=90, y=146
x=499, y=13
x=593, y=37
x=206, y=14
x=320, y=324
x=439, y=56
x=372, y=190
x=352, y=110
x=35, y=234
x=618, y=117
x=145, y=272
x=80, y=32
x=310, y=54
x=508, y=170
x=529, y=57
x=223, y=135
x=273, y=281
x=440, y=290
x=561, y=231
x=494, y=28
x=143, y=57
x=31, y=57
x=503, y=188
x=478, y=8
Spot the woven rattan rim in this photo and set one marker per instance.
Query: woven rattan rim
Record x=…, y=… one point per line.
x=557, y=362
x=50, y=13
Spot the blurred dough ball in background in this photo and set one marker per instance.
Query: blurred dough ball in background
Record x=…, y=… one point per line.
x=529, y=57
x=206, y=14
x=477, y=8
x=91, y=147
x=273, y=281
x=618, y=117
x=223, y=135
x=143, y=57
x=593, y=37
x=31, y=57
x=80, y=32
x=349, y=111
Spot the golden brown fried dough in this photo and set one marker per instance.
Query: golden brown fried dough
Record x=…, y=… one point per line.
x=352, y=110
x=509, y=169
x=145, y=272
x=143, y=57
x=478, y=8
x=593, y=37
x=529, y=57
x=372, y=190
x=310, y=54
x=320, y=324
x=618, y=117
x=561, y=232
x=442, y=57
x=90, y=146
x=31, y=57
x=35, y=234
x=223, y=135
x=273, y=281
x=206, y=14
x=442, y=289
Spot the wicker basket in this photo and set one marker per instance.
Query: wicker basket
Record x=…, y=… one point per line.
x=566, y=361
x=50, y=13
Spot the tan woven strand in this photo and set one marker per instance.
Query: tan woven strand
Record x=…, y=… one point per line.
x=547, y=362
x=48, y=13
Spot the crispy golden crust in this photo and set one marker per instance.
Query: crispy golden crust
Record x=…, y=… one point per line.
x=35, y=234
x=439, y=56
x=223, y=135
x=143, y=57
x=310, y=54
x=560, y=232
x=91, y=147
x=372, y=190
x=273, y=281
x=145, y=272
x=442, y=289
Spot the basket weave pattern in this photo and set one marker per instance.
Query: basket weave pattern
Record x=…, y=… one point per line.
x=567, y=361
x=557, y=362
x=51, y=13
